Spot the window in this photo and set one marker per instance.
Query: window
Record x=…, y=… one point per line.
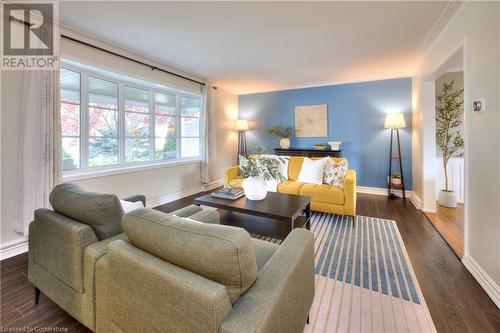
x=190, y=126
x=136, y=124
x=165, y=126
x=70, y=119
x=110, y=122
x=103, y=122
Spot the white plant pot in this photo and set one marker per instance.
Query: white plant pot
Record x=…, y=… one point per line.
x=255, y=188
x=285, y=143
x=448, y=198
x=396, y=181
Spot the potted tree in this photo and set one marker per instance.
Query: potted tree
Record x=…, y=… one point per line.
x=281, y=133
x=449, y=114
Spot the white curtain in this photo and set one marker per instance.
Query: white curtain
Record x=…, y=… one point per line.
x=210, y=145
x=39, y=157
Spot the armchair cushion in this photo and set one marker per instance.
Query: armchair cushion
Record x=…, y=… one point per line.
x=220, y=253
x=102, y=212
x=263, y=251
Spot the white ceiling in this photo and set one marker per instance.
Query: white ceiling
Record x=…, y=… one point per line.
x=262, y=46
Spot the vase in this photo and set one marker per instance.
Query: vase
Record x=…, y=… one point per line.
x=255, y=188
x=285, y=143
x=335, y=145
x=447, y=198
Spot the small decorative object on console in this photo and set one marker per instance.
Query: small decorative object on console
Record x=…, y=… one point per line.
x=319, y=146
x=335, y=145
x=228, y=192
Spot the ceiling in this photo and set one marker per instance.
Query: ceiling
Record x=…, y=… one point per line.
x=262, y=46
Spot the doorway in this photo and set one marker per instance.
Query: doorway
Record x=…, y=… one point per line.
x=446, y=191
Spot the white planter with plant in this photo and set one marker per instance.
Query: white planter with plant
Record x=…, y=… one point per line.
x=281, y=133
x=449, y=117
x=257, y=170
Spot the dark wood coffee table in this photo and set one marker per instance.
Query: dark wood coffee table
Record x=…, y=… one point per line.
x=257, y=216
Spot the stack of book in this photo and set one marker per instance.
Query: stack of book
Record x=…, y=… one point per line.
x=228, y=192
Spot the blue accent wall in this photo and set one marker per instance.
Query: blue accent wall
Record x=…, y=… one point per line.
x=356, y=114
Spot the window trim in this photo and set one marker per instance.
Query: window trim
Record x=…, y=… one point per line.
x=84, y=171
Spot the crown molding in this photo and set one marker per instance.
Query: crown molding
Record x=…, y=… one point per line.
x=450, y=14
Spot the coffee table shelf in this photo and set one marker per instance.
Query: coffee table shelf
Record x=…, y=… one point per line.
x=285, y=209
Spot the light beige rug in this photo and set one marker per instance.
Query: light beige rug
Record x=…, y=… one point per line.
x=364, y=278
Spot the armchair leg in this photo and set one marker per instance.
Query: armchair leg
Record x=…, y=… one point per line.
x=307, y=321
x=37, y=295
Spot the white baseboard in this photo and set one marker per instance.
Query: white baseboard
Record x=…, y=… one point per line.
x=182, y=194
x=416, y=201
x=380, y=191
x=13, y=249
x=489, y=286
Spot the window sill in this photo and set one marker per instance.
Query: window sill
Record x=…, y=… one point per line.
x=89, y=174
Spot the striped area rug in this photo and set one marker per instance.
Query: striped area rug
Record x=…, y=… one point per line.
x=364, y=279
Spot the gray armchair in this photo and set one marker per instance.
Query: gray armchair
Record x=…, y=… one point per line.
x=66, y=243
x=178, y=276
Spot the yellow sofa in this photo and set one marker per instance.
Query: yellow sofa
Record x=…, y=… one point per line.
x=324, y=197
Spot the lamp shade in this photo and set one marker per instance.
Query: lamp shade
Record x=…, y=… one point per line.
x=395, y=120
x=241, y=125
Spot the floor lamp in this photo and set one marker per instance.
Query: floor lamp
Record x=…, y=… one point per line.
x=241, y=127
x=394, y=122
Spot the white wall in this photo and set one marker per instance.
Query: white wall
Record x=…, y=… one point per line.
x=155, y=183
x=226, y=107
x=456, y=176
x=477, y=25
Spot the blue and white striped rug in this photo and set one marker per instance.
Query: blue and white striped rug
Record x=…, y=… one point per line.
x=364, y=278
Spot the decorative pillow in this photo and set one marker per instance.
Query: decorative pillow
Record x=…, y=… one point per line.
x=283, y=163
x=130, y=206
x=312, y=171
x=335, y=173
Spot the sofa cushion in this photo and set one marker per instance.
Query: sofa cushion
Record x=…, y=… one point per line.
x=294, y=166
x=187, y=211
x=206, y=215
x=290, y=187
x=102, y=212
x=237, y=182
x=220, y=253
x=323, y=193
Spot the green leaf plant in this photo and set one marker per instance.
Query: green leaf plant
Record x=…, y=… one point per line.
x=449, y=117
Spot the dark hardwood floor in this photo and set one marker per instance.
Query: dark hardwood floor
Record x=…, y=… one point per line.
x=456, y=301
x=449, y=222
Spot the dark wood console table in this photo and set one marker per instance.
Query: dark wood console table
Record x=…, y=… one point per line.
x=309, y=152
